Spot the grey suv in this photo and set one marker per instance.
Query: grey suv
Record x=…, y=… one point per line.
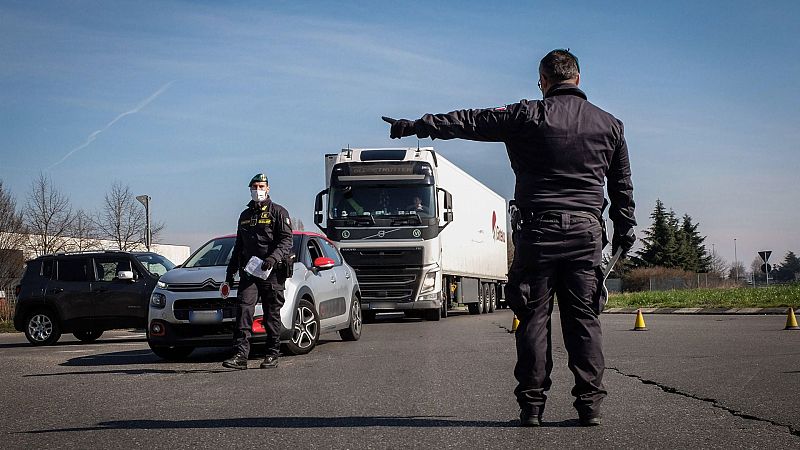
x=86, y=294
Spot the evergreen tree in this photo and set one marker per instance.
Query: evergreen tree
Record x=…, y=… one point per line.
x=697, y=258
x=659, y=246
x=789, y=269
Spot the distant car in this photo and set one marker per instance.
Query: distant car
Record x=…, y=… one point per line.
x=187, y=310
x=85, y=294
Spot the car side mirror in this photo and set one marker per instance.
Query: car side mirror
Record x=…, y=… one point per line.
x=323, y=263
x=125, y=275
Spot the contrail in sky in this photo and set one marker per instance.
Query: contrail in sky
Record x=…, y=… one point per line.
x=93, y=136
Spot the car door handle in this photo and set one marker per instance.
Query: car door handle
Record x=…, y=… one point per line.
x=333, y=279
x=56, y=291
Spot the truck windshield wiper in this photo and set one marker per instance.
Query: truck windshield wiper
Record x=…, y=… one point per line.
x=368, y=220
x=400, y=219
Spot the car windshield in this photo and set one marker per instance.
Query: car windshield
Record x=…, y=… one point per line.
x=155, y=264
x=398, y=200
x=217, y=252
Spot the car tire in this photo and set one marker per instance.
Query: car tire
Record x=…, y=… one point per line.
x=42, y=327
x=353, y=330
x=305, y=329
x=88, y=335
x=171, y=353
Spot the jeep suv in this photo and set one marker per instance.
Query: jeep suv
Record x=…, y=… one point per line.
x=86, y=294
x=188, y=311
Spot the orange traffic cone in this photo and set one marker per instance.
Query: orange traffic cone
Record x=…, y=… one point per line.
x=514, y=324
x=791, y=321
x=639, y=325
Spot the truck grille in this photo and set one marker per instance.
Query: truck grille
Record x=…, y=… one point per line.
x=390, y=286
x=181, y=308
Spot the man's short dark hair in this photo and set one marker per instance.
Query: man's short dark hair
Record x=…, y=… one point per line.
x=559, y=65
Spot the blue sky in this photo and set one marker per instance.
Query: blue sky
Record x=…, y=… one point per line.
x=193, y=98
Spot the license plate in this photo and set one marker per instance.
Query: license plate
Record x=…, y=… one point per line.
x=205, y=316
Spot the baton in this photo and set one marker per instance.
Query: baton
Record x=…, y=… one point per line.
x=610, y=267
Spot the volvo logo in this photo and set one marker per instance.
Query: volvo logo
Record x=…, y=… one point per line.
x=345, y=234
x=416, y=233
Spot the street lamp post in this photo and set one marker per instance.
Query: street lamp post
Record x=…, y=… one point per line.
x=145, y=200
x=735, y=260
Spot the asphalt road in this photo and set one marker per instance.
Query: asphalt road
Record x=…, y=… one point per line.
x=690, y=381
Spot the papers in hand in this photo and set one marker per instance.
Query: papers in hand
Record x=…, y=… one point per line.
x=253, y=267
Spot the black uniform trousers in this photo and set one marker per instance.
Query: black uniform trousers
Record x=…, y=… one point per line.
x=272, y=299
x=558, y=253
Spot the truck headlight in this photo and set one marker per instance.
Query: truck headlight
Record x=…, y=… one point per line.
x=429, y=282
x=158, y=300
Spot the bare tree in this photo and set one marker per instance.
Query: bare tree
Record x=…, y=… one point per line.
x=12, y=237
x=297, y=224
x=48, y=217
x=719, y=266
x=84, y=233
x=122, y=219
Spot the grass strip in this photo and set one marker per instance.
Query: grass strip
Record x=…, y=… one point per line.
x=762, y=297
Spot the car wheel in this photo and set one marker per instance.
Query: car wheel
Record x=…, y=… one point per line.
x=353, y=331
x=305, y=331
x=42, y=328
x=171, y=353
x=88, y=336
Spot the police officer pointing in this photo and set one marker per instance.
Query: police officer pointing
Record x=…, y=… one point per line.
x=264, y=230
x=562, y=149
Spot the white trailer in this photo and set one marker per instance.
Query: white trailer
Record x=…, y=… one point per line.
x=421, y=234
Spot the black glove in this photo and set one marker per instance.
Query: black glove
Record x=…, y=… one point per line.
x=622, y=240
x=229, y=279
x=268, y=264
x=400, y=127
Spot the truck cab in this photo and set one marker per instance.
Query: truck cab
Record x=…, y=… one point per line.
x=387, y=211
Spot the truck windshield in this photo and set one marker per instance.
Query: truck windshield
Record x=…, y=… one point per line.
x=382, y=201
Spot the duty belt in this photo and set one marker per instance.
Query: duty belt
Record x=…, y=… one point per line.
x=530, y=216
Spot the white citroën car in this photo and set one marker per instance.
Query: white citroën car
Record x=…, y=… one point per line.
x=187, y=311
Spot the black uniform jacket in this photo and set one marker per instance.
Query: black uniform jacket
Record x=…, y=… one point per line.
x=264, y=231
x=561, y=149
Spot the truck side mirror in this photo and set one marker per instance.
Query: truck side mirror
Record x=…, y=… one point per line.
x=447, y=207
x=318, y=215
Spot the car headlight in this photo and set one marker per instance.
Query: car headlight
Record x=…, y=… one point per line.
x=158, y=300
x=161, y=284
x=429, y=282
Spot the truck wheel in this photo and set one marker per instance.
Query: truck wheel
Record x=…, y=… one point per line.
x=42, y=328
x=433, y=315
x=492, y=296
x=445, y=298
x=482, y=300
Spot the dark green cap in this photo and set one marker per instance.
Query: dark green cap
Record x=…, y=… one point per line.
x=258, y=179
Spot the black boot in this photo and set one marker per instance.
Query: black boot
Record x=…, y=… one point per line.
x=239, y=362
x=529, y=418
x=586, y=421
x=270, y=362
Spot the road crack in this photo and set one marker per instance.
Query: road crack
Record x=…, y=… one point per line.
x=712, y=401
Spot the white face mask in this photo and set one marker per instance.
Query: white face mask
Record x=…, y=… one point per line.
x=258, y=195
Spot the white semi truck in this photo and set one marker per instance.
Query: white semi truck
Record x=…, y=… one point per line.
x=422, y=235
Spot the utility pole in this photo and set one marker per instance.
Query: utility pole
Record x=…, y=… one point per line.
x=735, y=260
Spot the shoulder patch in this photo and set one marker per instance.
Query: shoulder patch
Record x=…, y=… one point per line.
x=288, y=221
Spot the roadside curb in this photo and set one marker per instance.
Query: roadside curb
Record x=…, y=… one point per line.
x=739, y=311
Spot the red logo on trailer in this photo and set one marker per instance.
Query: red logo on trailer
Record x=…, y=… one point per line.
x=497, y=233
